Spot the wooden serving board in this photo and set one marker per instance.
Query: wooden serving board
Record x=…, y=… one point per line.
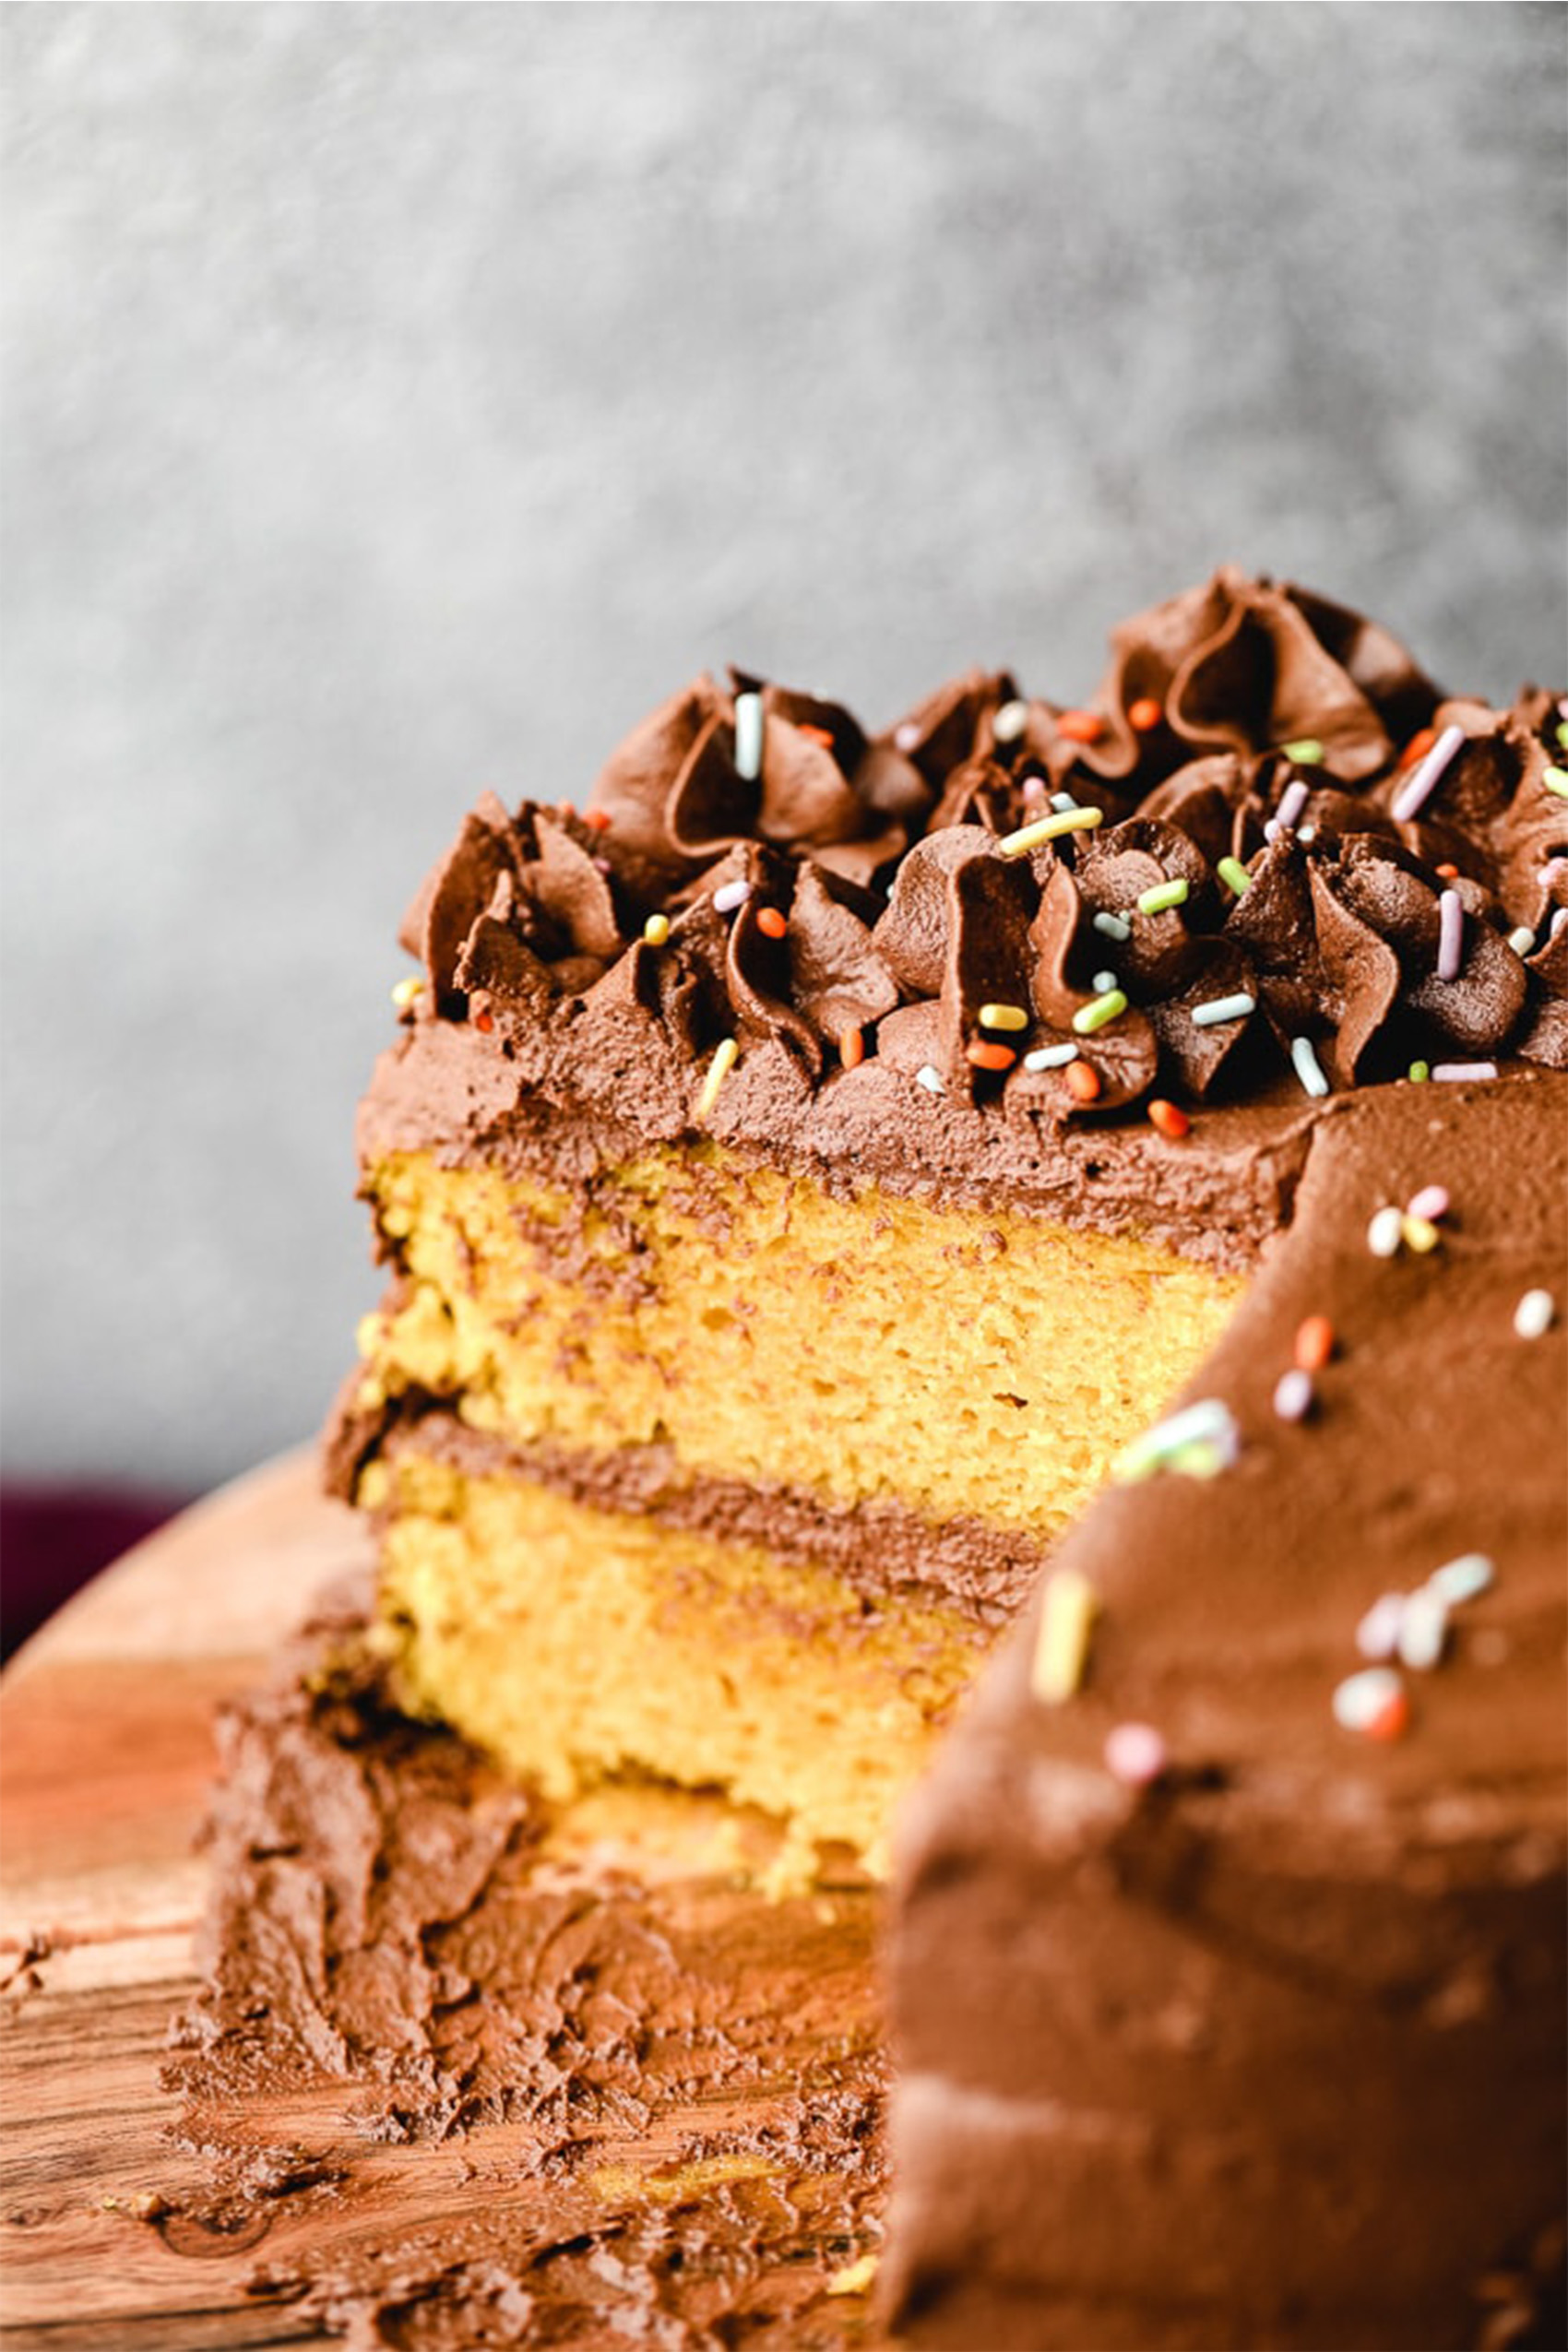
x=106, y=1748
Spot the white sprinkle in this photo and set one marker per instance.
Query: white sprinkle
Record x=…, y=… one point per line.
x=907, y=735
x=1414, y=795
x=748, y=737
x=1535, y=1315
x=1307, y=1066
x=1292, y=800
x=1386, y=1232
x=1460, y=1580
x=1134, y=1754
x=1273, y=829
x=1104, y=982
x=1050, y=1057
x=1113, y=927
x=1522, y=939
x=1364, y=1699
x=1453, y=1073
x=731, y=896
x=1061, y=802
x=1209, y=1427
x=1431, y=1202
x=1293, y=1395
x=930, y=1079
x=1306, y=833
x=1559, y=917
x=1224, y=1008
x=1010, y=721
x=1377, y=1635
x=1450, y=934
x=1423, y=1630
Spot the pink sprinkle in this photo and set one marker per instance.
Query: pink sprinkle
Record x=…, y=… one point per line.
x=1562, y=706
x=1377, y=1635
x=1273, y=829
x=905, y=737
x=1427, y=776
x=1293, y=1395
x=1450, y=934
x=1552, y=868
x=1136, y=1753
x=1292, y=800
x=1454, y=1074
x=1431, y=1202
x=1034, y=790
x=731, y=896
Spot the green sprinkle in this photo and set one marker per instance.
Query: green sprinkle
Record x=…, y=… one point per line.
x=1308, y=753
x=1556, y=780
x=1089, y=1017
x=1234, y=875
x=1562, y=733
x=1419, y=1073
x=1163, y=895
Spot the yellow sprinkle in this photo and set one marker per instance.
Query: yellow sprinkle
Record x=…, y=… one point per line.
x=656, y=930
x=1004, y=1016
x=375, y=1486
x=406, y=991
x=367, y=1333
x=1420, y=1233
x=1048, y=828
x=854, y=2278
x=726, y=1055
x=1062, y=1646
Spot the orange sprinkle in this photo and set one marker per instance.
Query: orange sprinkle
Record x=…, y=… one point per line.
x=1314, y=1343
x=1417, y=748
x=1170, y=1120
x=818, y=735
x=1145, y=714
x=1080, y=726
x=770, y=921
x=851, y=1047
x=484, y=1020
x=599, y=819
x=986, y=1056
x=1390, y=1723
x=1449, y=873
x=1083, y=1081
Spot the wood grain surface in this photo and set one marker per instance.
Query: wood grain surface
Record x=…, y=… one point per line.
x=109, y=2236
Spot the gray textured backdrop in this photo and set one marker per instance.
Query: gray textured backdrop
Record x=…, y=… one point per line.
x=399, y=400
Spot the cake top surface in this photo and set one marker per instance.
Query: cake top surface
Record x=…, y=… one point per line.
x=1268, y=857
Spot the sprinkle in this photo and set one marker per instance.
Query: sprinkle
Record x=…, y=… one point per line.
x=1419, y=1073
x=851, y=1047
x=1373, y=1703
x=907, y=735
x=1145, y=715
x=1559, y=917
x=1415, y=795
x=656, y=930
x=1171, y=1120
x=405, y=991
x=929, y=1078
x=986, y=1056
x=1113, y=927
x=597, y=820
x=1522, y=939
x=1556, y=780
x=1307, y=1066
x=1377, y=1635
x=1163, y=895
x=1050, y=1057
x=1224, y=1008
x=1562, y=733
x=1062, y=1646
x=726, y=1053
x=1449, y=873
x=1450, y=934
x=1463, y=1579
x=1305, y=832
x=854, y=2278
x=1207, y=1427
x=821, y=735
x=1104, y=982
x=1431, y=1201
x=1386, y=1232
x=1234, y=875
x=1292, y=800
x=1535, y=1315
x=1082, y=1082
x=1080, y=726
x=484, y=1020
x=1417, y=748
x=1034, y=791
x=1273, y=829
x=1314, y=1343
x=1010, y=721
x=748, y=737
x=1004, y=1016
x=1107, y=1007
x=1453, y=1073
x=1049, y=828
x=731, y=895
x=1307, y=752
x=771, y=922
x=1419, y=1233
x=1423, y=1630
x=1134, y=1754
x=1293, y=1394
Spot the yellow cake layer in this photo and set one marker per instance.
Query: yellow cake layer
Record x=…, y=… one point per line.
x=576, y=1644
x=966, y=1363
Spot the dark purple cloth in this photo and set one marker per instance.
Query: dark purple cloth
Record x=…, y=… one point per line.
x=54, y=1538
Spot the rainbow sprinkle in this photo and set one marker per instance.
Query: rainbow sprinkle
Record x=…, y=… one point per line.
x=1062, y=1646
x=1556, y=780
x=931, y=1079
x=1424, y=780
x=1462, y=1579
x=1307, y=752
x=1050, y=1057
x=1197, y=1441
x=1135, y=1754
x=1010, y=721
x=1104, y=982
x=1419, y=1073
x=1431, y=1201
x=748, y=737
x=1163, y=895
x=1105, y=1008
x=1048, y=828
x=1113, y=927
x=656, y=930
x=1004, y=1016
x=1294, y=1396
x=1234, y=875
x=1292, y=800
x=731, y=895
x=1377, y=1635
x=1372, y=1703
x=1454, y=1074
x=1386, y=1232
x=1535, y=1315
x=1450, y=934
x=726, y=1053
x=1308, y=1068
x=1423, y=1630
x=1419, y=1233
x=406, y=991
x=1522, y=939
x=1223, y=1008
